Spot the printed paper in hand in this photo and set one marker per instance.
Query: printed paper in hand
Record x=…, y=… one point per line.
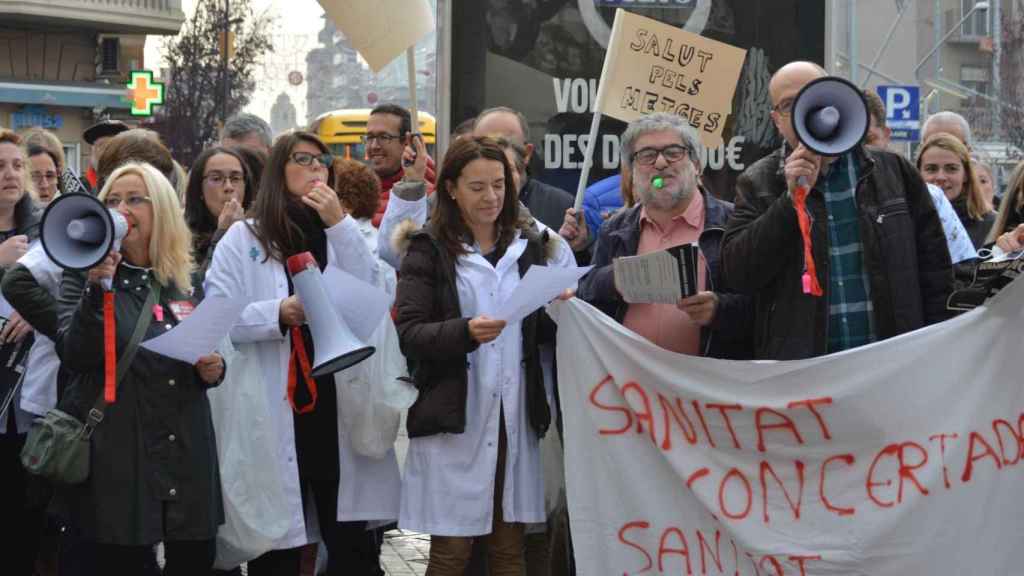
x=540, y=285
x=199, y=333
x=661, y=277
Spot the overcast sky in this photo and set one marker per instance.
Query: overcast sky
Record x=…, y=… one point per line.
x=296, y=24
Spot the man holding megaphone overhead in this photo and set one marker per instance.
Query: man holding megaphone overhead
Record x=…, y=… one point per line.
x=840, y=244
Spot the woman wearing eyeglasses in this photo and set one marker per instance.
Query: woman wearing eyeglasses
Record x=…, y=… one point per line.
x=153, y=462
x=297, y=211
x=219, y=191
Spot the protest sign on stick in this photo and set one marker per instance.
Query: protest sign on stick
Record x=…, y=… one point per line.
x=652, y=67
x=381, y=30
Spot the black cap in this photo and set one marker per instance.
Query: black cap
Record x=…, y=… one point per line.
x=102, y=129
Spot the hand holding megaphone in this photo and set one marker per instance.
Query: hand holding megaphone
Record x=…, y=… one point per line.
x=291, y=312
x=801, y=169
x=12, y=249
x=103, y=273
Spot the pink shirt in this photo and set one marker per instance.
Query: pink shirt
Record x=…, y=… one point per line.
x=665, y=324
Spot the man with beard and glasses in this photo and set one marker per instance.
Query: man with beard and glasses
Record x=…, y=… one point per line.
x=676, y=211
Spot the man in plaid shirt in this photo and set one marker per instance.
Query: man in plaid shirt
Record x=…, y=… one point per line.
x=878, y=245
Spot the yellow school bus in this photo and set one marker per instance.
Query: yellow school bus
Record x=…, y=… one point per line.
x=343, y=131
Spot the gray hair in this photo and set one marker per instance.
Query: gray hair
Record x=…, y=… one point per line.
x=524, y=126
x=659, y=122
x=949, y=116
x=241, y=125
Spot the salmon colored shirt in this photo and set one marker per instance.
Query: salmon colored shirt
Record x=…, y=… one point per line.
x=665, y=324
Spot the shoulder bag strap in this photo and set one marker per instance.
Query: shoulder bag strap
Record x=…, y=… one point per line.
x=141, y=325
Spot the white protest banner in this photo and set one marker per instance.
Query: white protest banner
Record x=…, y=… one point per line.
x=380, y=30
x=901, y=457
x=654, y=67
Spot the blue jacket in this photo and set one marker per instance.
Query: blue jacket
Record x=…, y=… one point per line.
x=730, y=333
x=602, y=197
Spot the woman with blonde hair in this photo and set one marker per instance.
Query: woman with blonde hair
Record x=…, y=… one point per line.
x=945, y=162
x=1010, y=220
x=153, y=461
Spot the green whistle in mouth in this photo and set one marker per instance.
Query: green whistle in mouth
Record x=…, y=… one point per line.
x=658, y=182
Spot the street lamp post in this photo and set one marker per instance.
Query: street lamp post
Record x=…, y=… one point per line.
x=983, y=5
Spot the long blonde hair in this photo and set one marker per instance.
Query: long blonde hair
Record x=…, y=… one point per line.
x=1013, y=201
x=977, y=205
x=170, y=246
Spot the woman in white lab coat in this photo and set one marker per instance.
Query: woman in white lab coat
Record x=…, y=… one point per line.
x=297, y=211
x=473, y=466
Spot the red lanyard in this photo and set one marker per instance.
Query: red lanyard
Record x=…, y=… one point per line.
x=810, y=277
x=298, y=360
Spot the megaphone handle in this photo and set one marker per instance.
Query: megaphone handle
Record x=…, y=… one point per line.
x=809, y=281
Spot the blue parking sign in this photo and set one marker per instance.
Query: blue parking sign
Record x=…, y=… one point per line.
x=902, y=111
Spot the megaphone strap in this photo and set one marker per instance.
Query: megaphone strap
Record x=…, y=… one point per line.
x=810, y=276
x=300, y=360
x=109, y=349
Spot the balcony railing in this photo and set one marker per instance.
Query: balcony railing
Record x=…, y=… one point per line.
x=111, y=16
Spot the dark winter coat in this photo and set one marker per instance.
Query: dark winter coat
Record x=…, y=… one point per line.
x=905, y=255
x=154, y=473
x=435, y=338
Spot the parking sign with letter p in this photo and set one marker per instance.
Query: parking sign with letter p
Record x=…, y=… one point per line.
x=902, y=111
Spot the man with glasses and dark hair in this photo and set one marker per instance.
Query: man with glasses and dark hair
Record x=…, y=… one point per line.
x=662, y=154
x=878, y=247
x=388, y=132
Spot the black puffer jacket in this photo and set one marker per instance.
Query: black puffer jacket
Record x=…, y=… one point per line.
x=904, y=250
x=435, y=338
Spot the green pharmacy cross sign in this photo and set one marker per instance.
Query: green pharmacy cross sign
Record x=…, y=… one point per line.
x=144, y=92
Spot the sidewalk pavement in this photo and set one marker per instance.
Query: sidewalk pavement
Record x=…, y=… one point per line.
x=405, y=553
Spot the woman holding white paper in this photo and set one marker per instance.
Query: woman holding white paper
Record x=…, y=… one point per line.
x=296, y=210
x=473, y=466
x=153, y=462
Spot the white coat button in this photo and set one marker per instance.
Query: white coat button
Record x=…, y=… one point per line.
x=168, y=326
x=172, y=492
x=172, y=437
x=144, y=277
x=170, y=382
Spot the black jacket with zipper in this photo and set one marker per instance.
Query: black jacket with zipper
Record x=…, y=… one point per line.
x=728, y=335
x=904, y=249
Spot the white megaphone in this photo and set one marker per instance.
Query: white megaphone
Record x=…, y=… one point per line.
x=77, y=232
x=830, y=116
x=335, y=347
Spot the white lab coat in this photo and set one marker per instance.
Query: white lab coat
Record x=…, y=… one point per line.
x=39, y=389
x=448, y=488
x=369, y=489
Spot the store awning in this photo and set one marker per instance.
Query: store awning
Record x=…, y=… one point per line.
x=77, y=95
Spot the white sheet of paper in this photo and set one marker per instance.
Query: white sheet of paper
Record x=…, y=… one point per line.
x=650, y=278
x=540, y=285
x=199, y=333
x=362, y=306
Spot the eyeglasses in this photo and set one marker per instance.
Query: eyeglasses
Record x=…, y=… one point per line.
x=382, y=139
x=132, y=202
x=784, y=108
x=217, y=179
x=307, y=159
x=672, y=153
x=38, y=177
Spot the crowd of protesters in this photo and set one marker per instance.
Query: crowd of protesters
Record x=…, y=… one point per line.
x=447, y=242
